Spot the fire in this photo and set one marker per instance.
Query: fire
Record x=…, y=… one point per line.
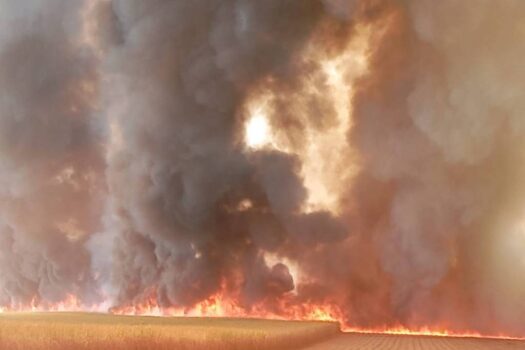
x=71, y=303
x=429, y=331
x=220, y=305
x=327, y=165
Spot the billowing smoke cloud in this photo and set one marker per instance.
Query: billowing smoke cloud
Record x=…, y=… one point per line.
x=439, y=127
x=49, y=154
x=176, y=174
x=389, y=188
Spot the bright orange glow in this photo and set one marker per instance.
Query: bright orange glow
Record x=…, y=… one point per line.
x=70, y=304
x=429, y=331
x=326, y=158
x=257, y=131
x=221, y=306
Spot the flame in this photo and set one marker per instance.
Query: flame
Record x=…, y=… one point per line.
x=71, y=303
x=220, y=305
x=429, y=331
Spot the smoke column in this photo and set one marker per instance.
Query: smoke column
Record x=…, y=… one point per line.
x=50, y=154
x=364, y=156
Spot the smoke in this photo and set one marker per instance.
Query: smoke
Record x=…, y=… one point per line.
x=387, y=181
x=438, y=124
x=49, y=153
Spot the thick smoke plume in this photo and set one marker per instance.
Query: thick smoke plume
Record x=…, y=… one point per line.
x=50, y=154
x=364, y=156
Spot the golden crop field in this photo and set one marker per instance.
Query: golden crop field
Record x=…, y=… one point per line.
x=404, y=342
x=84, y=331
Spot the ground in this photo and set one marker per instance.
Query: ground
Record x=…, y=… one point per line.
x=399, y=342
x=82, y=331
x=85, y=331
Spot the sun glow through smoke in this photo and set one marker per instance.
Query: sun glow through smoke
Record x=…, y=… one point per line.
x=257, y=131
x=327, y=161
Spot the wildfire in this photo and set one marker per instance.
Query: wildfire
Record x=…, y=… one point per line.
x=221, y=306
x=327, y=165
x=429, y=331
x=70, y=304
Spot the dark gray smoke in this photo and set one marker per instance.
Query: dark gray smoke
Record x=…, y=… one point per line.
x=125, y=174
x=177, y=74
x=51, y=163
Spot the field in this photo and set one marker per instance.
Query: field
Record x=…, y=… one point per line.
x=82, y=331
x=403, y=342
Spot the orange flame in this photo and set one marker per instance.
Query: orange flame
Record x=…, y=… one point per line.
x=429, y=331
x=221, y=306
x=71, y=303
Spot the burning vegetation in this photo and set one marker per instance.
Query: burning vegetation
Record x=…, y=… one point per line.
x=360, y=161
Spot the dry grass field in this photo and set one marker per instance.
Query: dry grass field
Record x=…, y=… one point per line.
x=400, y=342
x=82, y=331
